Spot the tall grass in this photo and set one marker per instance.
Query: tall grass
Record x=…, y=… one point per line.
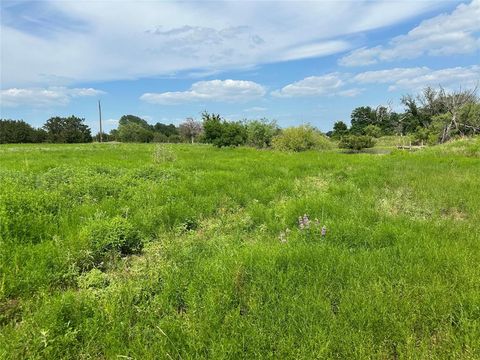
x=396, y=275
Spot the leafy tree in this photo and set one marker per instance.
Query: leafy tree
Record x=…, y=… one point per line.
x=113, y=135
x=190, y=129
x=233, y=133
x=220, y=132
x=301, y=138
x=261, y=132
x=339, y=129
x=167, y=130
x=67, y=130
x=132, y=119
x=18, y=131
x=212, y=127
x=132, y=128
x=134, y=132
x=361, y=117
x=356, y=142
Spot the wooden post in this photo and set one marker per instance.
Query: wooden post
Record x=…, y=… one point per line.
x=100, y=119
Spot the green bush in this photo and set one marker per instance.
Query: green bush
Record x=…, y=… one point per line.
x=356, y=142
x=372, y=130
x=261, y=132
x=93, y=279
x=115, y=235
x=301, y=138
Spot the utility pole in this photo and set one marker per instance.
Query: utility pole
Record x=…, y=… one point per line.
x=100, y=118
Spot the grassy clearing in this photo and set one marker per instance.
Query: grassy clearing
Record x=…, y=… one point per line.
x=147, y=251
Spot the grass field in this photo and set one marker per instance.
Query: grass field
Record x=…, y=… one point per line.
x=173, y=252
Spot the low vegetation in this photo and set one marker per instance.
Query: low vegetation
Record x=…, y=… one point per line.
x=178, y=251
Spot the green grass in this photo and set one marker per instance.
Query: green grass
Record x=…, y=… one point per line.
x=395, y=277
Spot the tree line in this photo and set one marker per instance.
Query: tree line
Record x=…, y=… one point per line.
x=432, y=116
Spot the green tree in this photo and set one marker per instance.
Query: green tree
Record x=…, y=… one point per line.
x=339, y=129
x=361, y=117
x=133, y=132
x=132, y=128
x=132, y=119
x=67, y=130
x=18, y=131
x=212, y=127
x=261, y=132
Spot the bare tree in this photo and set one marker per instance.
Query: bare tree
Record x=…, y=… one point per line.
x=452, y=103
x=190, y=129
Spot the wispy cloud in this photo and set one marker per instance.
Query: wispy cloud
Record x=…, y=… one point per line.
x=42, y=97
x=445, y=34
x=256, y=109
x=206, y=38
x=324, y=85
x=414, y=79
x=214, y=90
x=409, y=79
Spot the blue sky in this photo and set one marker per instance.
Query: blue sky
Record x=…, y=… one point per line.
x=292, y=61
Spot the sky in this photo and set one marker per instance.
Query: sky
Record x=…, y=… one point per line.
x=292, y=61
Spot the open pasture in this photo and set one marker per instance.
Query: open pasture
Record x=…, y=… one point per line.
x=182, y=252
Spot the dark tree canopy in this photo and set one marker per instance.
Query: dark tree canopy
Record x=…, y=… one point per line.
x=339, y=129
x=67, y=130
x=18, y=131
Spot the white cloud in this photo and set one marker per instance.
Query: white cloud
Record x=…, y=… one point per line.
x=410, y=79
x=417, y=78
x=67, y=42
x=213, y=90
x=351, y=92
x=41, y=97
x=389, y=75
x=445, y=34
x=329, y=84
x=256, y=109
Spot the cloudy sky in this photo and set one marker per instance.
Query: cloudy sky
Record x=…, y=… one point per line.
x=292, y=61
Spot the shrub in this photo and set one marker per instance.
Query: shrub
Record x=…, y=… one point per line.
x=261, y=132
x=356, y=142
x=115, y=235
x=301, y=138
x=373, y=131
x=93, y=279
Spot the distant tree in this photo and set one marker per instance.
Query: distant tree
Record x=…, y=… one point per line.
x=234, y=133
x=167, y=130
x=134, y=132
x=212, y=127
x=361, y=117
x=469, y=116
x=132, y=119
x=105, y=137
x=453, y=103
x=373, y=131
x=18, y=131
x=67, y=130
x=190, y=129
x=339, y=129
x=113, y=135
x=132, y=128
x=261, y=132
